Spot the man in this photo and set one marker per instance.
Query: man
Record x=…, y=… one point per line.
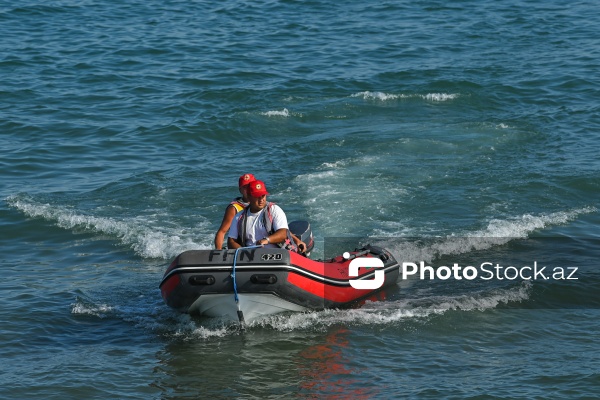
x=238, y=204
x=262, y=223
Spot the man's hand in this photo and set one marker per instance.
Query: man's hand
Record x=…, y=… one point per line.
x=301, y=246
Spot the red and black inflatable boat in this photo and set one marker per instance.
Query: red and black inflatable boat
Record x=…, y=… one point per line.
x=255, y=282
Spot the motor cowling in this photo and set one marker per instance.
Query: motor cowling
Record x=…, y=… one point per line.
x=302, y=230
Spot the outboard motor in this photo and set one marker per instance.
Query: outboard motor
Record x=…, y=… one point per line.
x=302, y=230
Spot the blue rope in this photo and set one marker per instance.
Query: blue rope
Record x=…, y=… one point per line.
x=235, y=292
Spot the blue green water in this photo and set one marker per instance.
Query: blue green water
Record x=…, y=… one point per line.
x=125, y=125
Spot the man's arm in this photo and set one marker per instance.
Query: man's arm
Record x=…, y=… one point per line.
x=225, y=224
x=232, y=243
x=279, y=236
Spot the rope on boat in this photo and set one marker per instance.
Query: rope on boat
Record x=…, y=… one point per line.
x=235, y=292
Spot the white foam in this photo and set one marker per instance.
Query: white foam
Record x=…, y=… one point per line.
x=476, y=301
x=282, y=113
x=498, y=232
x=523, y=225
x=189, y=330
x=380, y=96
x=324, y=190
x=87, y=309
x=147, y=241
x=391, y=312
x=440, y=96
x=417, y=309
x=377, y=96
x=334, y=165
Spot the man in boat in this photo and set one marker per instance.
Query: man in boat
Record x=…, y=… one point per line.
x=262, y=223
x=237, y=205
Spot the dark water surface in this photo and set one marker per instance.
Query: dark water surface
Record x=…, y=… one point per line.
x=449, y=132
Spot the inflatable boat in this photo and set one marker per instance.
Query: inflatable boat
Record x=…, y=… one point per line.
x=249, y=283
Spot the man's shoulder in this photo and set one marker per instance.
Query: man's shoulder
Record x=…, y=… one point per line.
x=238, y=204
x=274, y=207
x=238, y=214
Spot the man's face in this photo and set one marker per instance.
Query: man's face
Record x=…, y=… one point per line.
x=257, y=203
x=244, y=192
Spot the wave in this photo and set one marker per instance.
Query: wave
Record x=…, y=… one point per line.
x=497, y=233
x=416, y=310
x=282, y=113
x=375, y=96
x=83, y=308
x=380, y=96
x=165, y=243
x=147, y=241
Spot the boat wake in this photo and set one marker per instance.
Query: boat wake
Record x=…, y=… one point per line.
x=147, y=238
x=496, y=233
x=158, y=237
x=399, y=313
x=161, y=239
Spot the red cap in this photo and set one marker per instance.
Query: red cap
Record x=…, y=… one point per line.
x=257, y=189
x=246, y=179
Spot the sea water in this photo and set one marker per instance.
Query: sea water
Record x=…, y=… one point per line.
x=463, y=132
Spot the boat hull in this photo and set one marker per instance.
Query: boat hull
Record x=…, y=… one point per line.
x=268, y=281
x=252, y=305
